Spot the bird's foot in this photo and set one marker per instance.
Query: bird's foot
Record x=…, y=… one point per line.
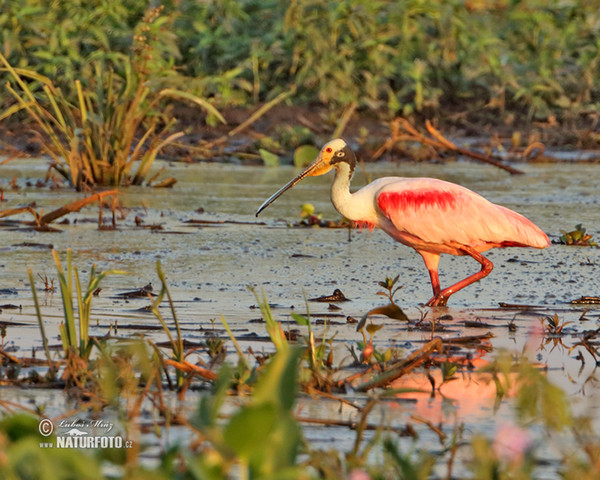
x=437, y=301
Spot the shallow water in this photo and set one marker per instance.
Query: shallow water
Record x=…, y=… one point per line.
x=210, y=266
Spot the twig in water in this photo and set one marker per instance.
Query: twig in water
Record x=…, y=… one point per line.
x=401, y=367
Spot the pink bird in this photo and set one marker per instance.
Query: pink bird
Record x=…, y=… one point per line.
x=430, y=215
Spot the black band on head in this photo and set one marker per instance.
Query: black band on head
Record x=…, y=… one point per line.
x=348, y=157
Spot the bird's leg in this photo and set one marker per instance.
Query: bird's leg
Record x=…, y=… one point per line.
x=432, y=261
x=486, y=267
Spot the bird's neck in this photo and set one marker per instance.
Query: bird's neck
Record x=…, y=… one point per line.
x=341, y=197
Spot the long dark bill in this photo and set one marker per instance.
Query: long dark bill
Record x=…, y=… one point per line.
x=285, y=188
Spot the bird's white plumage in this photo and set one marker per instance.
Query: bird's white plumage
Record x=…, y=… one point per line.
x=335, y=145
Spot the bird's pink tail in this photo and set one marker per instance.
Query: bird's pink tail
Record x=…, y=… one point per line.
x=526, y=232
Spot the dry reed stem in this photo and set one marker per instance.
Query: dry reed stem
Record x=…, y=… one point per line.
x=10, y=406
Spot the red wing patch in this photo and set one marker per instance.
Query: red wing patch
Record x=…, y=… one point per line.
x=413, y=200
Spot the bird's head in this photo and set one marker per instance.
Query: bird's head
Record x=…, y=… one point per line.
x=333, y=155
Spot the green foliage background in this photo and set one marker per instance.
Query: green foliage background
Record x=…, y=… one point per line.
x=534, y=58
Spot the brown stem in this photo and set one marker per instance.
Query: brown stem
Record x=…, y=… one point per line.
x=75, y=206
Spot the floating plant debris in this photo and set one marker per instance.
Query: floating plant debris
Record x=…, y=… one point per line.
x=337, y=296
x=587, y=300
x=577, y=237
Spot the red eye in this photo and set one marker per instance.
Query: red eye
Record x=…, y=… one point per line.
x=328, y=149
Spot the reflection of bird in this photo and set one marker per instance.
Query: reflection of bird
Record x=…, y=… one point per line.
x=432, y=216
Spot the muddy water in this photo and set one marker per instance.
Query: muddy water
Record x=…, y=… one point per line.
x=209, y=267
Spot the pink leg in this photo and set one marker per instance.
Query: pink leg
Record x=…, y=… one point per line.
x=441, y=298
x=432, y=261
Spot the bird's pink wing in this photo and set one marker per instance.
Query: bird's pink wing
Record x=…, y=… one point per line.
x=440, y=212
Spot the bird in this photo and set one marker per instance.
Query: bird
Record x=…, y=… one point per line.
x=430, y=215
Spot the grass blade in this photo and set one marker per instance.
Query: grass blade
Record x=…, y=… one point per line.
x=39, y=315
x=67, y=298
x=241, y=355
x=171, y=92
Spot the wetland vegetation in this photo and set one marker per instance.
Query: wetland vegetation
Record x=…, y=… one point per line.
x=203, y=377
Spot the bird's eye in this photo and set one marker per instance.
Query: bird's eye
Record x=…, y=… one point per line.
x=328, y=149
x=340, y=153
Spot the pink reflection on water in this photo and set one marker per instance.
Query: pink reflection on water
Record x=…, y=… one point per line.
x=511, y=443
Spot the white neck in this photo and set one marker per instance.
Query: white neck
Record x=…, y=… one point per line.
x=344, y=201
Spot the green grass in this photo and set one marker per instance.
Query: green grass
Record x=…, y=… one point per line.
x=535, y=59
x=77, y=306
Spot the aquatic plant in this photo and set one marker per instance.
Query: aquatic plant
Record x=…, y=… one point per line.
x=308, y=215
x=177, y=342
x=553, y=324
x=75, y=337
x=261, y=439
x=111, y=133
x=391, y=310
x=389, y=284
x=577, y=237
x=261, y=436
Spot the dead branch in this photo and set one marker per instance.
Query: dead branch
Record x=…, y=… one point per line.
x=403, y=131
x=341, y=126
x=437, y=430
x=353, y=425
x=9, y=357
x=9, y=212
x=399, y=368
x=75, y=206
x=43, y=220
x=313, y=392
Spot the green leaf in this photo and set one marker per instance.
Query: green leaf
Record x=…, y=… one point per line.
x=270, y=159
x=304, y=155
x=307, y=210
x=372, y=328
x=278, y=383
x=273, y=327
x=20, y=425
x=282, y=450
x=300, y=319
x=210, y=404
x=391, y=311
x=249, y=428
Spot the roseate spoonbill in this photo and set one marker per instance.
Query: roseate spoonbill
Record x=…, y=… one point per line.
x=430, y=215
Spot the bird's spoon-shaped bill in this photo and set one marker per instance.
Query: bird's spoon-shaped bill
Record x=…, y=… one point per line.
x=307, y=172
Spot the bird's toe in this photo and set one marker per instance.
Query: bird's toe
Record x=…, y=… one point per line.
x=437, y=301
